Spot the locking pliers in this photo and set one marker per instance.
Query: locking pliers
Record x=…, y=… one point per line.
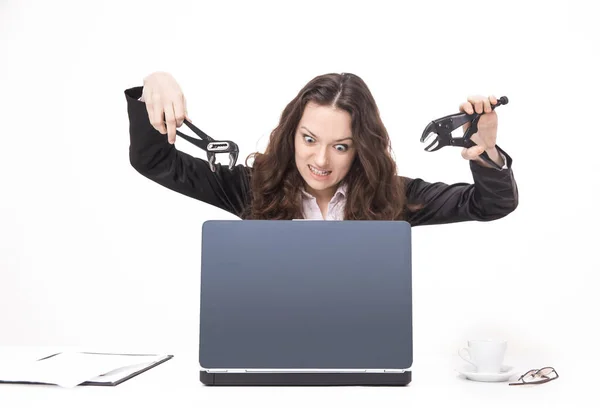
x=443, y=128
x=212, y=146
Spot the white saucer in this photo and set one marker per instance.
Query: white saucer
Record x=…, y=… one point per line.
x=504, y=375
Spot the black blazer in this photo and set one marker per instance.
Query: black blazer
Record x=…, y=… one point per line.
x=493, y=194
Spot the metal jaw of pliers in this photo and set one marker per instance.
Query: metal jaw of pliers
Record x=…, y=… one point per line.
x=443, y=128
x=212, y=146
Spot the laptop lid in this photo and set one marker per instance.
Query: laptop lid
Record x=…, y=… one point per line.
x=300, y=295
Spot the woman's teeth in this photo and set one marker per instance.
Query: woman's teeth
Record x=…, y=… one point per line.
x=318, y=172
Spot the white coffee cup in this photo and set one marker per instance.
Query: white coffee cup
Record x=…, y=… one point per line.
x=485, y=355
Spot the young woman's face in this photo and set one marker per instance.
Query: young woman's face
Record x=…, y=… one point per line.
x=324, y=148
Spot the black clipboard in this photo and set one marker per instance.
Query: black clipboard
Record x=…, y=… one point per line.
x=136, y=373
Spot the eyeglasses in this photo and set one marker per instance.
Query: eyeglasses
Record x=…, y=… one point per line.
x=538, y=376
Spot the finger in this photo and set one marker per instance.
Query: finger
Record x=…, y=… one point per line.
x=477, y=103
x=149, y=107
x=179, y=109
x=171, y=123
x=472, y=153
x=158, y=114
x=466, y=107
x=493, y=100
x=487, y=107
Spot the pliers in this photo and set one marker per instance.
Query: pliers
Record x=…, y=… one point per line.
x=443, y=128
x=212, y=146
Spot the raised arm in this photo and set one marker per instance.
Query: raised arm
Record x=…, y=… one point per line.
x=492, y=195
x=153, y=156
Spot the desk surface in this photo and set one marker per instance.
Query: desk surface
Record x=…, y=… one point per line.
x=177, y=381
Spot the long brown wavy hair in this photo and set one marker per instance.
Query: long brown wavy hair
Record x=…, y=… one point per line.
x=374, y=191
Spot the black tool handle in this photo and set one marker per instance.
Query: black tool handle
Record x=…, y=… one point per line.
x=197, y=131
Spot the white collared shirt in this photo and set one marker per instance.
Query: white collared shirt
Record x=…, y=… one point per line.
x=335, y=209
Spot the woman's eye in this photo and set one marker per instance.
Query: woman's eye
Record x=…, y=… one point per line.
x=341, y=147
x=308, y=139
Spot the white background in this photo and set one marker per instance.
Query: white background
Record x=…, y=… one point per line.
x=94, y=254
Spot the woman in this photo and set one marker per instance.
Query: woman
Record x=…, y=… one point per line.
x=329, y=158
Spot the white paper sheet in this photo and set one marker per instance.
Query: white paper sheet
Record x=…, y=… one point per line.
x=70, y=369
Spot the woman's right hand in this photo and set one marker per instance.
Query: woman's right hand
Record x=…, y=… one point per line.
x=165, y=102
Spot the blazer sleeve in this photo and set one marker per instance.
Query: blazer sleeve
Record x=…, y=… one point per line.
x=492, y=195
x=155, y=158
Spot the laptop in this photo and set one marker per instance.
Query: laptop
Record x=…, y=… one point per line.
x=305, y=303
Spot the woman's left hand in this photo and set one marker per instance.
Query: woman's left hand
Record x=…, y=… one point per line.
x=487, y=128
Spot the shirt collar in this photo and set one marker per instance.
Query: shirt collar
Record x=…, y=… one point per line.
x=339, y=193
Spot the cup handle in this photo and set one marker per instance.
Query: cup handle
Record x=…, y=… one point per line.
x=461, y=353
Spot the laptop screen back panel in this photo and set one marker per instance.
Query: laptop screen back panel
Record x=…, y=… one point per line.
x=306, y=295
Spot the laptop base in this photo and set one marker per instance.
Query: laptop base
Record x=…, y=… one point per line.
x=307, y=379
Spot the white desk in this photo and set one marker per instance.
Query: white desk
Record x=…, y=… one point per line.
x=176, y=383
